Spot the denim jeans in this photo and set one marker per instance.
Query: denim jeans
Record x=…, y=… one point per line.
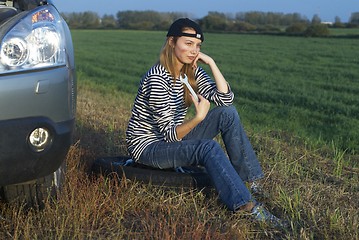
x=230, y=171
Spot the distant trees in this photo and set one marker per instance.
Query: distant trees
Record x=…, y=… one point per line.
x=146, y=20
x=308, y=30
x=354, y=19
x=316, y=19
x=270, y=18
x=253, y=21
x=215, y=21
x=338, y=23
x=317, y=30
x=249, y=21
x=109, y=21
x=297, y=28
x=83, y=20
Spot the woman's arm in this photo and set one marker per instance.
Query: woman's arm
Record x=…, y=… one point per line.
x=202, y=108
x=221, y=82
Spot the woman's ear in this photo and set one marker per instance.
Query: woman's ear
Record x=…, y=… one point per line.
x=171, y=42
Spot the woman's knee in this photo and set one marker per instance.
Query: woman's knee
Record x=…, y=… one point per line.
x=229, y=115
x=210, y=149
x=230, y=110
x=208, y=144
x=213, y=144
x=226, y=111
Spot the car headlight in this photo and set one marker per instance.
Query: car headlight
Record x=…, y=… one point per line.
x=36, y=41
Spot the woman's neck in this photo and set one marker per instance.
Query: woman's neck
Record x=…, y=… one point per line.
x=178, y=67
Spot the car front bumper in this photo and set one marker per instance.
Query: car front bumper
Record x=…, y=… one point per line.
x=18, y=160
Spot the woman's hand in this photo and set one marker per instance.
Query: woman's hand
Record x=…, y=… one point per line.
x=221, y=83
x=202, y=107
x=203, y=58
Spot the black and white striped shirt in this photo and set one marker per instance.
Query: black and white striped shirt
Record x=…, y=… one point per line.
x=159, y=107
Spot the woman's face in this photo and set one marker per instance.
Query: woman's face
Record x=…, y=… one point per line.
x=187, y=48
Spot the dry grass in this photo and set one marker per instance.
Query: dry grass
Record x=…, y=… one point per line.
x=316, y=189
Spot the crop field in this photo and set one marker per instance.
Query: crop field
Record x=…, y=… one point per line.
x=346, y=32
x=298, y=101
x=305, y=86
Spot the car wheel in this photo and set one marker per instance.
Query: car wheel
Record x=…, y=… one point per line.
x=34, y=193
x=123, y=166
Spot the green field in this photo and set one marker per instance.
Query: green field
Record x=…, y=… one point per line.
x=298, y=100
x=307, y=87
x=345, y=32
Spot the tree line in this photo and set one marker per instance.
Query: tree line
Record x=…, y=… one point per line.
x=254, y=21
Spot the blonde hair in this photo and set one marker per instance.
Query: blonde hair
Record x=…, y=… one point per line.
x=168, y=60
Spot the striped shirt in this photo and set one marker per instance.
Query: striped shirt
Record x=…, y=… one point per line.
x=159, y=107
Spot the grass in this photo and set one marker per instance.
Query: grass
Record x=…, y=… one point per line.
x=351, y=32
x=313, y=185
x=306, y=86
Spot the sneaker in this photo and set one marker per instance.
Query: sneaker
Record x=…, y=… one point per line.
x=260, y=214
x=257, y=190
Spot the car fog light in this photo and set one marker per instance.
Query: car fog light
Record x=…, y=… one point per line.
x=39, y=139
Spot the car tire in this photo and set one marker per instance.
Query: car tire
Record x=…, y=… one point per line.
x=123, y=166
x=33, y=194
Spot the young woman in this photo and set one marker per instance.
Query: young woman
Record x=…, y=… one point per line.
x=158, y=136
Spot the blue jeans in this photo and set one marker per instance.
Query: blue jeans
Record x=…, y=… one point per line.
x=230, y=171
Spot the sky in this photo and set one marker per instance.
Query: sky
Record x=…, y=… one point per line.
x=326, y=9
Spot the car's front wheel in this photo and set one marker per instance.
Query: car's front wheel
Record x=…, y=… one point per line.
x=35, y=193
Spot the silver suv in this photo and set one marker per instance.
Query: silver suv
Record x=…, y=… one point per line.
x=37, y=99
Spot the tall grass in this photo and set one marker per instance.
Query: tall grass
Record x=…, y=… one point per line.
x=315, y=187
x=301, y=183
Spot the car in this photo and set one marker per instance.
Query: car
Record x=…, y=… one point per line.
x=37, y=100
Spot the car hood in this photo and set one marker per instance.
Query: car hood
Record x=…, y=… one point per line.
x=9, y=9
x=24, y=5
